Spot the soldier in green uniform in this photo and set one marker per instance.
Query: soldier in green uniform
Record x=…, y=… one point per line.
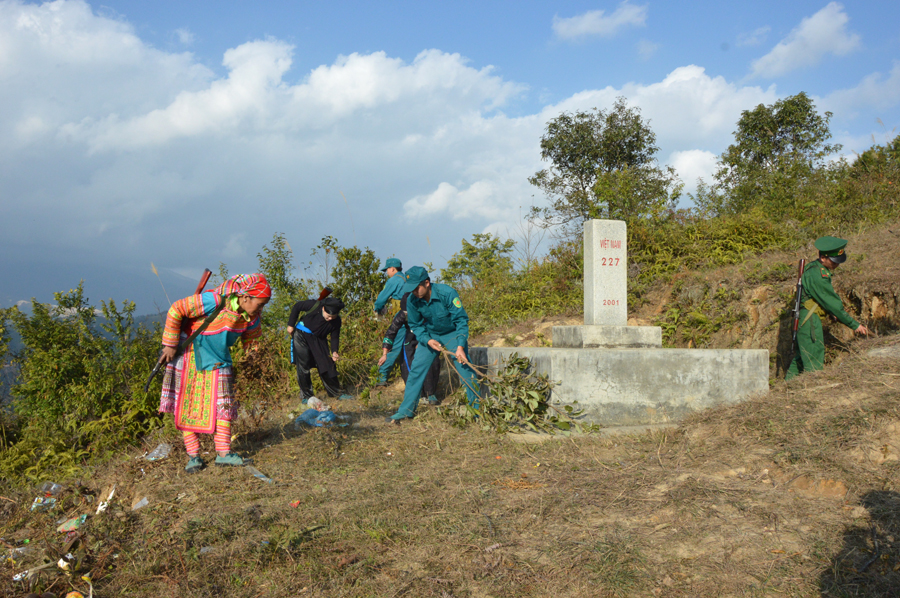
x=436, y=316
x=817, y=299
x=389, y=300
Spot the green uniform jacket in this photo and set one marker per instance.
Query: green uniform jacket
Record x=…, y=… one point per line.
x=393, y=289
x=443, y=314
x=817, y=286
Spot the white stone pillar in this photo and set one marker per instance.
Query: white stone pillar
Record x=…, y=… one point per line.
x=605, y=273
x=606, y=295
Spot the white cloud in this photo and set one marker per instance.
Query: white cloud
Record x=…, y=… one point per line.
x=115, y=150
x=185, y=37
x=236, y=246
x=646, y=49
x=254, y=95
x=367, y=81
x=692, y=165
x=30, y=127
x=597, y=23
x=756, y=37
x=255, y=69
x=823, y=33
x=688, y=108
x=59, y=63
x=479, y=199
x=875, y=91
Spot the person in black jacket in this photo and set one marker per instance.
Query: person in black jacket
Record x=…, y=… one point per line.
x=310, y=344
x=398, y=328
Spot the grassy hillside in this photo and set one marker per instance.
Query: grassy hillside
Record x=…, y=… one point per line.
x=747, y=304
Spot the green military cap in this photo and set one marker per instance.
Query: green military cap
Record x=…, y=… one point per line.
x=832, y=248
x=392, y=262
x=414, y=277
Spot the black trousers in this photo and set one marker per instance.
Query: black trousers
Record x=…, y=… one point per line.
x=312, y=352
x=431, y=378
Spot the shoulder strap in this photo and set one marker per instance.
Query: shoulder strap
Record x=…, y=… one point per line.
x=206, y=322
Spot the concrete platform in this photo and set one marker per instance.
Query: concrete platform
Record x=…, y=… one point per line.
x=607, y=337
x=636, y=387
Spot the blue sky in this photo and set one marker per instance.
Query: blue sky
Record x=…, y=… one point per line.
x=187, y=133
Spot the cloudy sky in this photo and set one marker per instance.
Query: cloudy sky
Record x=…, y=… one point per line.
x=187, y=133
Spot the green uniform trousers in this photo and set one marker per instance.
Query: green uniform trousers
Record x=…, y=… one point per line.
x=425, y=356
x=393, y=355
x=809, y=350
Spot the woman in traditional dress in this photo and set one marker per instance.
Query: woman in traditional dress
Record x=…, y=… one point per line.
x=198, y=387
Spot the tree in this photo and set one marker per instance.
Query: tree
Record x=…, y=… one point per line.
x=357, y=276
x=597, y=160
x=777, y=159
x=5, y=315
x=872, y=185
x=879, y=160
x=476, y=261
x=632, y=192
x=276, y=263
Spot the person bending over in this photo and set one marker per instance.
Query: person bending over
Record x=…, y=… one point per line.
x=310, y=332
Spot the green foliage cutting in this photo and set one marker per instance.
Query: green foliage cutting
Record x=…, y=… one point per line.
x=514, y=399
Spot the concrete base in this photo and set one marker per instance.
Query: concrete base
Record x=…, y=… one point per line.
x=607, y=337
x=633, y=387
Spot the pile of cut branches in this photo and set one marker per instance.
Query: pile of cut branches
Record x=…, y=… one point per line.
x=515, y=398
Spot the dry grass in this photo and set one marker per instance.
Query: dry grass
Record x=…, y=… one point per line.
x=794, y=494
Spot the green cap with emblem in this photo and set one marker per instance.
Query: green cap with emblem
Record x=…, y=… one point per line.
x=392, y=262
x=414, y=277
x=832, y=248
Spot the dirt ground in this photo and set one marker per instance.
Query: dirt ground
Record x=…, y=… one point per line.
x=795, y=493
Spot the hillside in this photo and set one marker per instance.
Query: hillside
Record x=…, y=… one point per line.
x=795, y=493
x=747, y=306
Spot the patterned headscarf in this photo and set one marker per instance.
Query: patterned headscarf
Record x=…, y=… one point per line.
x=254, y=285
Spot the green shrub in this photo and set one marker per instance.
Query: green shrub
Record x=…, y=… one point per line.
x=80, y=389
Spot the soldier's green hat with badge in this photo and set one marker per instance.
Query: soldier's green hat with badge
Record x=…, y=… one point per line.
x=832, y=248
x=392, y=262
x=414, y=277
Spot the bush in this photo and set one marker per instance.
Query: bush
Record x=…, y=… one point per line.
x=80, y=389
x=686, y=241
x=501, y=295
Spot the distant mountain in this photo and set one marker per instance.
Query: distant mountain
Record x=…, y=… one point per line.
x=149, y=321
x=24, y=280
x=8, y=374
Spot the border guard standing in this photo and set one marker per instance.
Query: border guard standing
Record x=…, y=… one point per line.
x=817, y=299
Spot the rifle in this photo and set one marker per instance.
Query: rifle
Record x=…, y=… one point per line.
x=325, y=292
x=204, y=278
x=797, y=305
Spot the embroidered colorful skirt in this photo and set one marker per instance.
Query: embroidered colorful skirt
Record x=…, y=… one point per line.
x=197, y=398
